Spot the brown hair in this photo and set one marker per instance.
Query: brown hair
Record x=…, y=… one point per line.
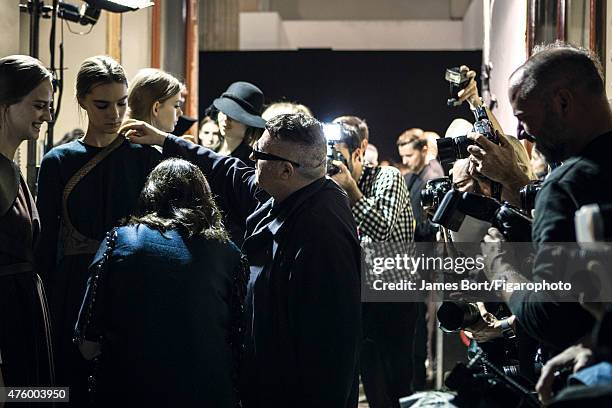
x=20, y=75
x=149, y=86
x=360, y=124
x=414, y=136
x=98, y=70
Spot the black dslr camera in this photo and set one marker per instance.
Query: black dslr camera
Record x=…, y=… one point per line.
x=528, y=195
x=457, y=315
x=484, y=383
x=496, y=368
x=451, y=149
x=433, y=193
x=512, y=223
x=334, y=134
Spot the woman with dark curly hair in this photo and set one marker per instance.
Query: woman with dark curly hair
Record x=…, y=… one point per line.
x=163, y=307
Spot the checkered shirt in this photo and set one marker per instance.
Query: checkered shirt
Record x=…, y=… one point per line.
x=384, y=213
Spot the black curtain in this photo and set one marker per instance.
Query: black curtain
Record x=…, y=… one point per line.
x=392, y=90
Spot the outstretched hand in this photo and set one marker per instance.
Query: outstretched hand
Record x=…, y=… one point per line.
x=137, y=131
x=470, y=92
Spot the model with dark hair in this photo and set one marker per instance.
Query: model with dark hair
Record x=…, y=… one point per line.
x=239, y=119
x=163, y=308
x=25, y=345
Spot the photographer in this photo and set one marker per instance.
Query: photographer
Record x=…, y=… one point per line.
x=559, y=97
x=490, y=327
x=360, y=124
x=381, y=207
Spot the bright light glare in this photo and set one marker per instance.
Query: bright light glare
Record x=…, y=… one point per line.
x=332, y=131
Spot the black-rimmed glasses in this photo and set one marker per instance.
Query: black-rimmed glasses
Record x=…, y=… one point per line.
x=257, y=155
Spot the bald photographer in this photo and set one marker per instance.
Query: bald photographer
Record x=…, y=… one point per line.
x=559, y=97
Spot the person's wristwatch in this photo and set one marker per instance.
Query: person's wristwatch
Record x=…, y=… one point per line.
x=507, y=330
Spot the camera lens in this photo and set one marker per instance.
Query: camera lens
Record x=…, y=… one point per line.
x=451, y=149
x=515, y=225
x=461, y=145
x=457, y=315
x=427, y=198
x=528, y=195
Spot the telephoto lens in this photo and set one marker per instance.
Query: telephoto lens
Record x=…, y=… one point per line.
x=457, y=315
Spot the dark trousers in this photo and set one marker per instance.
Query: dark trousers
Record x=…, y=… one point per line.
x=420, y=350
x=387, y=351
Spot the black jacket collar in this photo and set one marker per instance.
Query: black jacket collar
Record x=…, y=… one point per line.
x=278, y=213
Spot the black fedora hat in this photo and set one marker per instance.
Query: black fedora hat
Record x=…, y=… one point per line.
x=243, y=102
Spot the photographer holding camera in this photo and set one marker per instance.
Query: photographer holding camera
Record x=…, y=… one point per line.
x=504, y=161
x=469, y=215
x=559, y=97
x=381, y=207
x=480, y=162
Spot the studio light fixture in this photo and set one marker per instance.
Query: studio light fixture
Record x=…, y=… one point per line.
x=89, y=12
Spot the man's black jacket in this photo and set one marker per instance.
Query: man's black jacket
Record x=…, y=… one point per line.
x=584, y=179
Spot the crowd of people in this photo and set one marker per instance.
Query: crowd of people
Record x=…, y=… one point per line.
x=158, y=271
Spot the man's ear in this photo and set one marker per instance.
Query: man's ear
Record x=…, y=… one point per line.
x=563, y=101
x=364, y=144
x=155, y=109
x=286, y=171
x=357, y=153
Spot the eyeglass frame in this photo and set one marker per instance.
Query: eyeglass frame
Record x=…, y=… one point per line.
x=259, y=155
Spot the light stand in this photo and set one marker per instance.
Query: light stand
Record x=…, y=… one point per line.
x=37, y=10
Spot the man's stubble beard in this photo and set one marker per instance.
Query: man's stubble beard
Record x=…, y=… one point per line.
x=557, y=141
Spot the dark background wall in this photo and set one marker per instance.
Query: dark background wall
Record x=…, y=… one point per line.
x=392, y=90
